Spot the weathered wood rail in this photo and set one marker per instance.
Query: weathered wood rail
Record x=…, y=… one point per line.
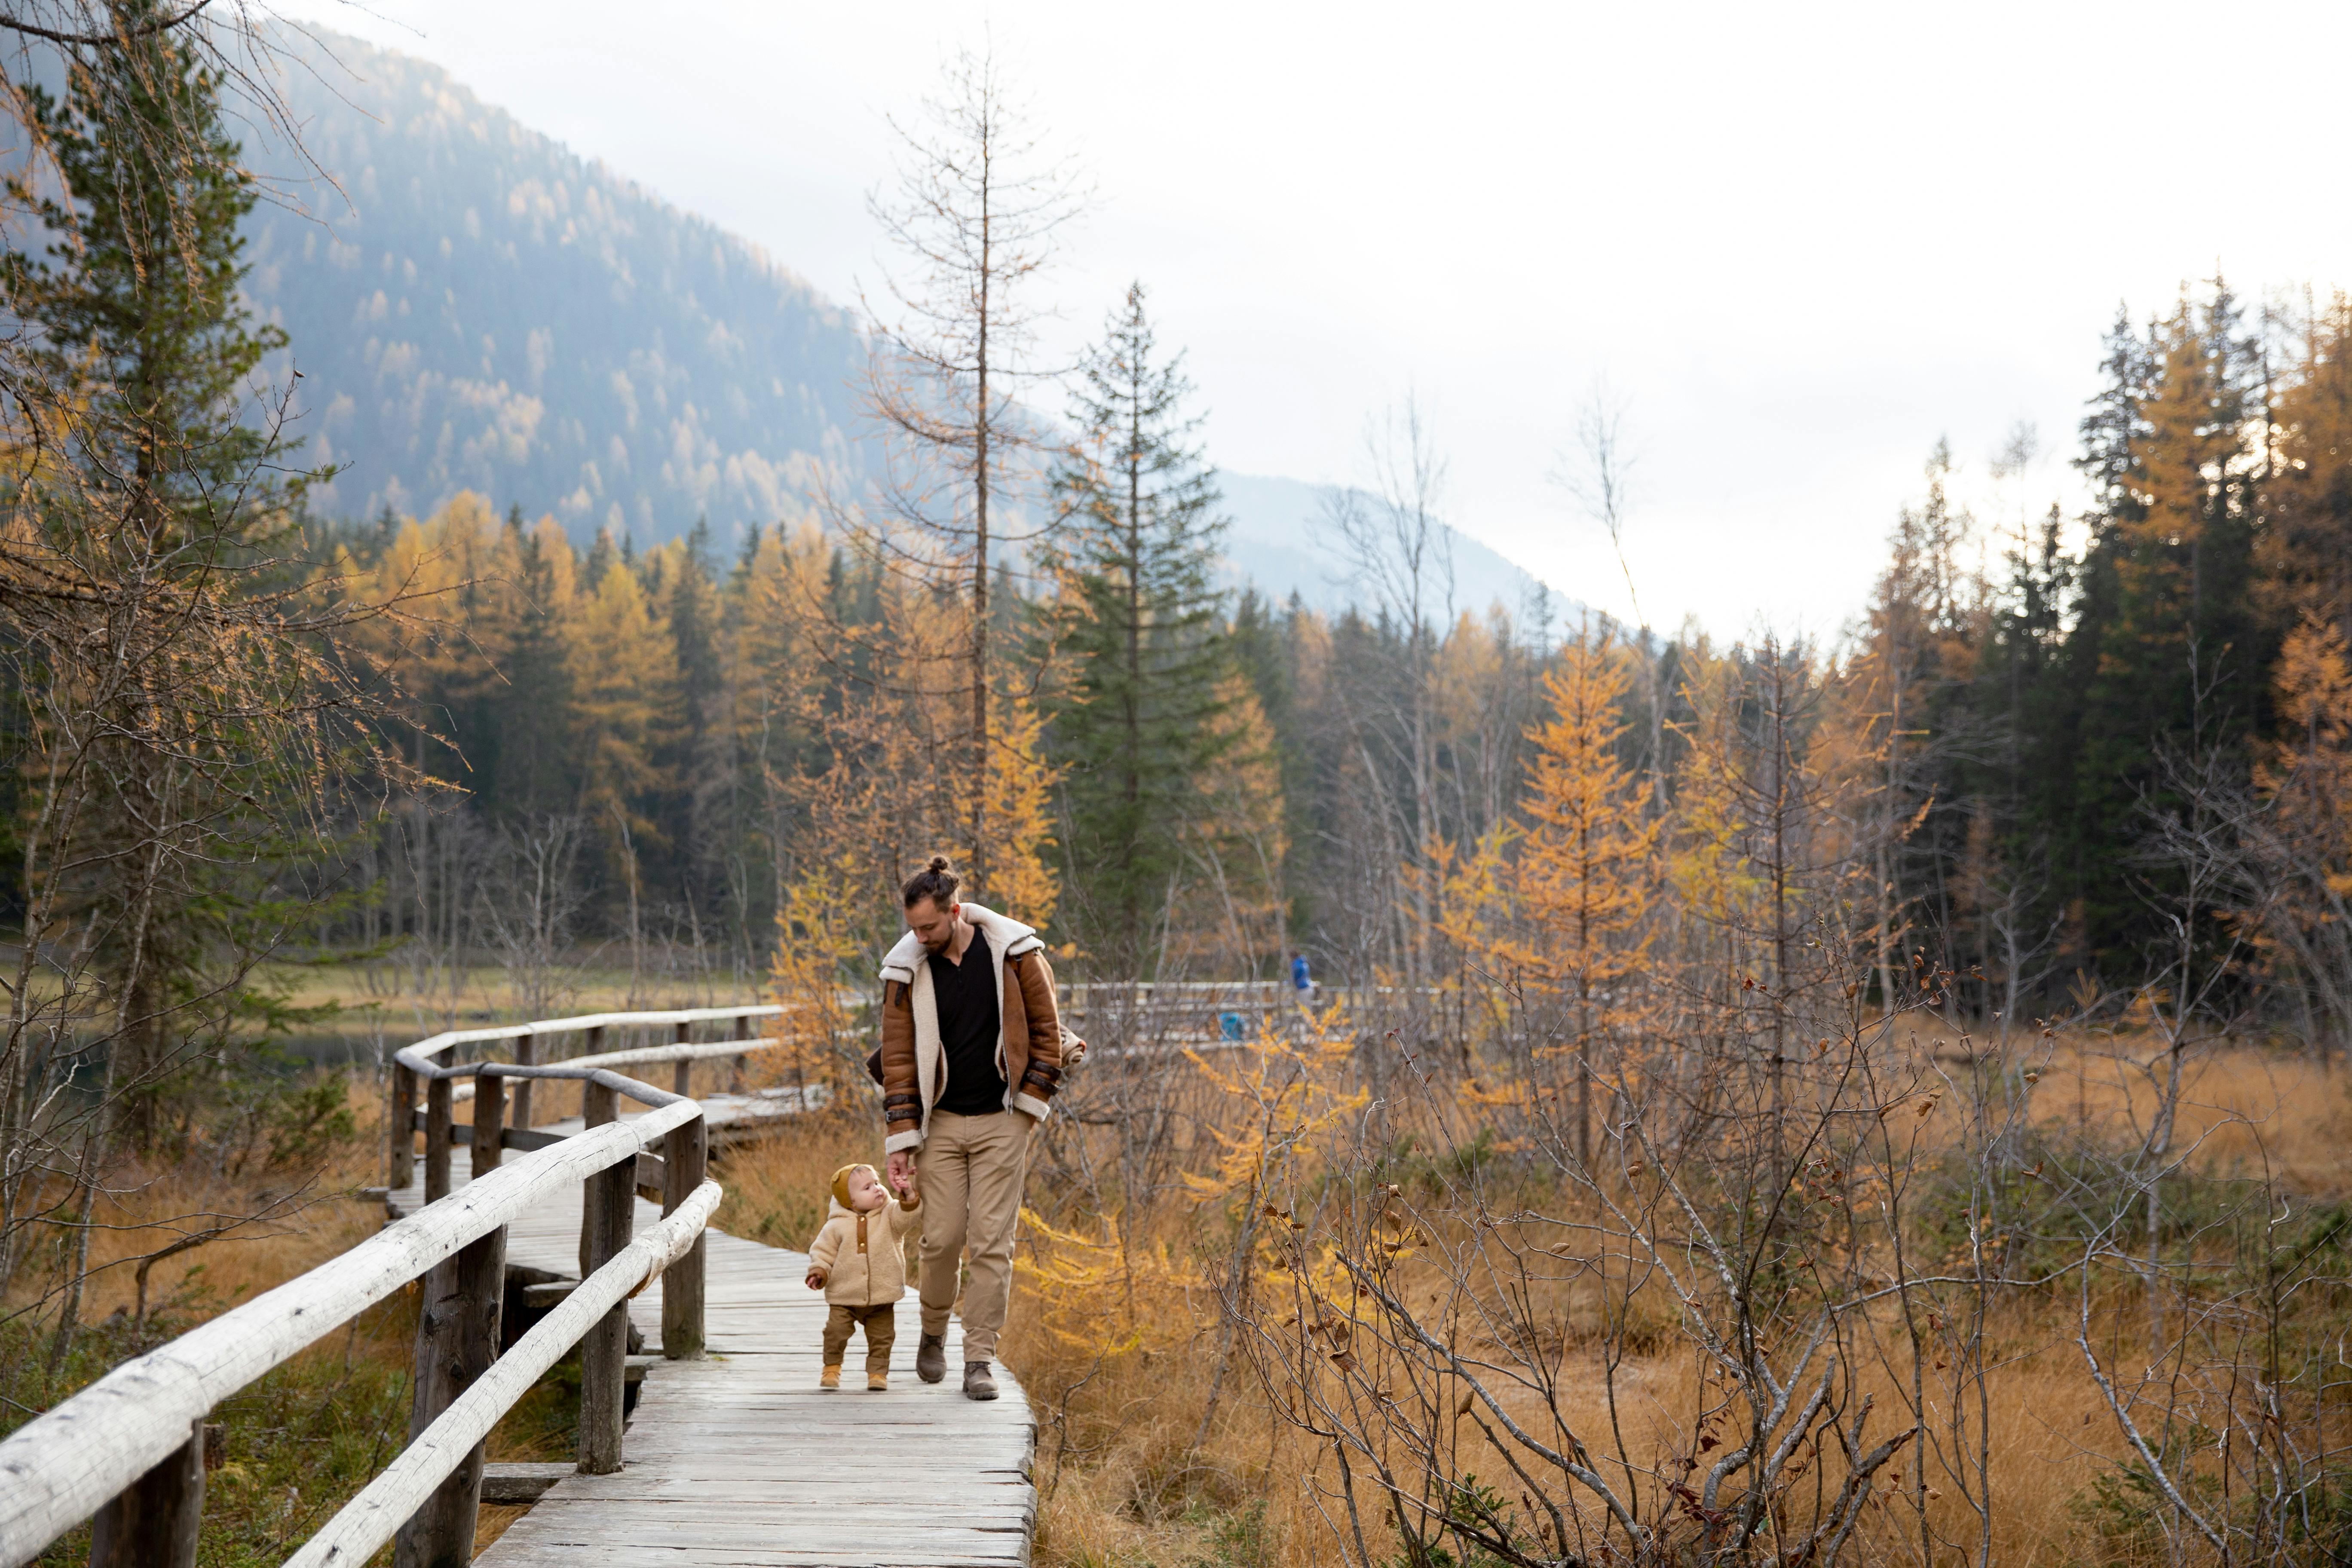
x=127, y=1452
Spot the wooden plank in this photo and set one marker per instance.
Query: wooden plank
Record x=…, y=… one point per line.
x=844, y=1497
x=557, y=1552
x=511, y=1481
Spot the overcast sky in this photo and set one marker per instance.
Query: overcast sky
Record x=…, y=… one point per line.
x=1802, y=244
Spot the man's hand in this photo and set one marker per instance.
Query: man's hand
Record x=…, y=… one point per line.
x=901, y=1170
x=816, y=1279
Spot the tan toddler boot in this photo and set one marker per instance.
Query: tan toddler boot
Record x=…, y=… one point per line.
x=832, y=1378
x=878, y=1382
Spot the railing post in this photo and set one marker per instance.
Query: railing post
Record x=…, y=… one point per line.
x=742, y=1032
x=457, y=1340
x=595, y=1043
x=153, y=1524
x=489, y=1118
x=526, y=1054
x=438, y=1099
x=403, y=1128
x=685, y=1153
x=598, y=1105
x=609, y=1216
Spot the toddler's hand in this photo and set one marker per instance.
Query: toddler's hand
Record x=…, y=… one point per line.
x=816, y=1279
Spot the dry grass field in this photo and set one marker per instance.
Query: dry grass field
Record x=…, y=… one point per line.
x=1119, y=1346
x=1151, y=1452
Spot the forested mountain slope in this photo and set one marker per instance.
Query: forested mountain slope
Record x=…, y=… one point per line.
x=479, y=309
x=490, y=312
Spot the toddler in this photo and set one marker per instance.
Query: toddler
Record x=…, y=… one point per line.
x=857, y=1262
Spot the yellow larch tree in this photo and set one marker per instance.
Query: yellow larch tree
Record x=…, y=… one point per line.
x=621, y=660
x=1236, y=842
x=2302, y=838
x=1581, y=883
x=828, y=920
x=1017, y=815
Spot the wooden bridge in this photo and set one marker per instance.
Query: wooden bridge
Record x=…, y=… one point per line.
x=732, y=1455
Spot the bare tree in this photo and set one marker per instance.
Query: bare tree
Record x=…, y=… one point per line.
x=529, y=898
x=1598, y=475
x=1398, y=552
x=975, y=218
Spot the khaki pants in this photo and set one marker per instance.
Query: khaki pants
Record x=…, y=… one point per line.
x=969, y=1171
x=881, y=1329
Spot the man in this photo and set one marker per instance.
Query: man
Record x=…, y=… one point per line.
x=971, y=1054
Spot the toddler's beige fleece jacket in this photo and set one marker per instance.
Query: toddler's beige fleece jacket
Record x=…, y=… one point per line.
x=861, y=1255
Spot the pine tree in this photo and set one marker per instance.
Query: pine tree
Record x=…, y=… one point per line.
x=603, y=556
x=2166, y=655
x=140, y=311
x=691, y=745
x=160, y=498
x=1141, y=620
x=532, y=711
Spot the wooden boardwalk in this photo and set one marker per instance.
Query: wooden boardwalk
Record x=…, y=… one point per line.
x=740, y=1462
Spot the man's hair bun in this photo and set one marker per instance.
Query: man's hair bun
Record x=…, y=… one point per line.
x=937, y=882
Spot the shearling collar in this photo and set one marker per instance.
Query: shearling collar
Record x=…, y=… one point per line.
x=1007, y=938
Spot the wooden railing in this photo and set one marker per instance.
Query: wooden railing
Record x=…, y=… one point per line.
x=129, y=1449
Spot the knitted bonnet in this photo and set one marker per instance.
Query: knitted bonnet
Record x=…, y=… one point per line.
x=841, y=1181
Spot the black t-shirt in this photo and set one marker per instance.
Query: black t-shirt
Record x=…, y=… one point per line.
x=966, y=995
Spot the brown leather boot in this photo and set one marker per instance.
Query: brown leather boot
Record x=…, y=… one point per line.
x=931, y=1358
x=979, y=1382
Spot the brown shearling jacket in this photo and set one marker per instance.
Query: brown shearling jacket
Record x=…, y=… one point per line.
x=1028, y=1043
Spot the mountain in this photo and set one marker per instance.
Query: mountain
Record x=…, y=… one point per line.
x=478, y=307
x=1276, y=541
x=491, y=313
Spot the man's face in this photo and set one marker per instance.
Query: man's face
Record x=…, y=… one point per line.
x=933, y=927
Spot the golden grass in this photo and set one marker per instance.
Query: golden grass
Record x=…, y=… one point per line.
x=2245, y=1110
x=1121, y=1392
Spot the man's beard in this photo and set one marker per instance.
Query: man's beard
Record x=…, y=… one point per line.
x=941, y=946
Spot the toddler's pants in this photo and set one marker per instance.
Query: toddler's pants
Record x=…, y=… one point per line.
x=881, y=1329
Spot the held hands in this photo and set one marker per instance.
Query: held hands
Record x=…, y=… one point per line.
x=900, y=1172
x=816, y=1278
